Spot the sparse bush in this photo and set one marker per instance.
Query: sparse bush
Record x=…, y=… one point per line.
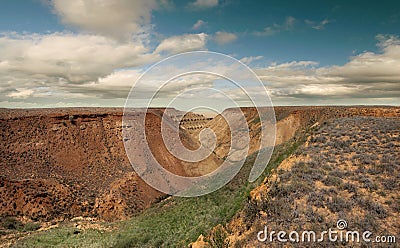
x=31, y=226
x=218, y=237
x=374, y=208
x=368, y=183
x=391, y=184
x=11, y=223
x=339, y=173
x=317, y=199
x=378, y=209
x=338, y=204
x=313, y=216
x=318, y=139
x=332, y=181
x=351, y=188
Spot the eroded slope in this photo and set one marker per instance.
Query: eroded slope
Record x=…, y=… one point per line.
x=348, y=169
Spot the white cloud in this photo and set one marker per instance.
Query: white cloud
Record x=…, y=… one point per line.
x=199, y=24
x=118, y=18
x=182, y=43
x=74, y=57
x=385, y=41
x=204, y=3
x=287, y=25
x=366, y=76
x=369, y=67
x=317, y=25
x=222, y=37
x=248, y=60
x=65, y=66
x=289, y=22
x=20, y=93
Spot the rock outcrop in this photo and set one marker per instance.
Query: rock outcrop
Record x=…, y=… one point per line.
x=62, y=163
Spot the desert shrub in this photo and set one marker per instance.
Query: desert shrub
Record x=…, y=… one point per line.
x=279, y=208
x=360, y=169
x=338, y=204
x=250, y=212
x=351, y=188
x=218, y=237
x=367, y=222
x=280, y=171
x=387, y=159
x=368, y=183
x=374, y=208
x=381, y=193
x=318, y=139
x=286, y=175
x=332, y=181
x=365, y=159
x=339, y=173
x=313, y=216
x=390, y=183
x=326, y=167
x=11, y=223
x=329, y=191
x=316, y=175
x=390, y=145
x=317, y=199
x=31, y=226
x=297, y=187
x=378, y=209
x=395, y=205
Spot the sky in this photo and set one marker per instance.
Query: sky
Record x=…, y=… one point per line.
x=57, y=53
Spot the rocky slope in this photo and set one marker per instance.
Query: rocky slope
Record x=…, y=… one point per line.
x=289, y=120
x=61, y=163
x=348, y=169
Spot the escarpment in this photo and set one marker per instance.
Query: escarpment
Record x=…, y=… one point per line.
x=62, y=163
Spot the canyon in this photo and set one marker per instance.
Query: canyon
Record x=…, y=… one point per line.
x=58, y=164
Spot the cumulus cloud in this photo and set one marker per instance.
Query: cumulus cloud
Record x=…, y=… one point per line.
x=182, y=43
x=118, y=18
x=222, y=37
x=275, y=28
x=74, y=57
x=113, y=86
x=65, y=67
x=94, y=63
x=202, y=4
x=366, y=76
x=199, y=24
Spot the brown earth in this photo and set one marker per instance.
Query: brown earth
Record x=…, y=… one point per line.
x=289, y=120
x=348, y=169
x=63, y=163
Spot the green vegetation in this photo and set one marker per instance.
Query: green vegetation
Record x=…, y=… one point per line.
x=172, y=222
x=11, y=223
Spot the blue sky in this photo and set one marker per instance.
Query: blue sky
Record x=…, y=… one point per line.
x=89, y=52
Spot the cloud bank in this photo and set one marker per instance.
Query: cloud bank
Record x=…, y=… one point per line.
x=97, y=63
x=366, y=76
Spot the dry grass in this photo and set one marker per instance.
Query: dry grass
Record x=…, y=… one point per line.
x=348, y=169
